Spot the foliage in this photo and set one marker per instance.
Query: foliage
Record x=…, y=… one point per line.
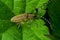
x=30, y=30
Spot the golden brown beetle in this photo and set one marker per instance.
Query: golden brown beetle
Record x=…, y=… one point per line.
x=22, y=17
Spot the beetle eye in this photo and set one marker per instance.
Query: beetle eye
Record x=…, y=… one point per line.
x=36, y=10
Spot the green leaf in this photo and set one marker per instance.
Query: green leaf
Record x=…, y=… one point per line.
x=39, y=4
x=11, y=34
x=4, y=25
x=9, y=3
x=19, y=6
x=35, y=29
x=5, y=12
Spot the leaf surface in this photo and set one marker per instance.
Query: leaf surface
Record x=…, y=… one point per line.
x=33, y=30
